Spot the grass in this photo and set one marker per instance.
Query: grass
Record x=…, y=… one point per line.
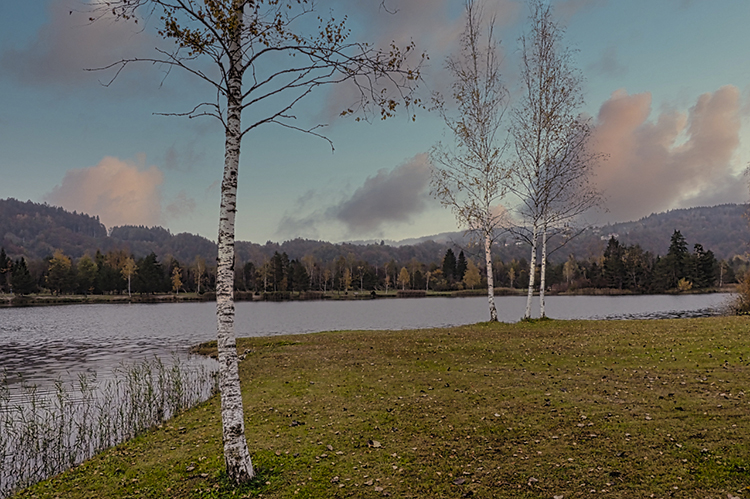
x=535, y=409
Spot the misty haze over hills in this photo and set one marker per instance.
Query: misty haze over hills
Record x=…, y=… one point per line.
x=35, y=231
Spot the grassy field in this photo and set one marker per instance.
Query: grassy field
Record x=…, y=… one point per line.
x=545, y=409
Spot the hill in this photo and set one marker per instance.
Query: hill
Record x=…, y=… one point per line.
x=723, y=229
x=36, y=230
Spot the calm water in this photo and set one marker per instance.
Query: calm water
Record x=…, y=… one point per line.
x=39, y=344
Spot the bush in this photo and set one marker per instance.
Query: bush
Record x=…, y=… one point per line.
x=741, y=305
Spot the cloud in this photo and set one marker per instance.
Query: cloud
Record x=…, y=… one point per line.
x=68, y=44
x=180, y=207
x=609, y=65
x=679, y=160
x=119, y=192
x=388, y=197
x=183, y=160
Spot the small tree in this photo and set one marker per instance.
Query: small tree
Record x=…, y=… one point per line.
x=469, y=178
x=176, y=279
x=403, y=277
x=472, y=277
x=129, y=268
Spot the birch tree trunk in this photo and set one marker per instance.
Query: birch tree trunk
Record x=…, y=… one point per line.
x=532, y=272
x=543, y=274
x=236, y=455
x=490, y=276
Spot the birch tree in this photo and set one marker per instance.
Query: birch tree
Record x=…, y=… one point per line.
x=553, y=159
x=265, y=56
x=128, y=270
x=469, y=176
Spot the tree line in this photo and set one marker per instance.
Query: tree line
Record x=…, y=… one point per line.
x=621, y=267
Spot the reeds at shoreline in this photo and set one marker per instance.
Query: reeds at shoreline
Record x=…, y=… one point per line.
x=45, y=433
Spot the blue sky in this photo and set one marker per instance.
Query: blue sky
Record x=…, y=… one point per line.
x=667, y=84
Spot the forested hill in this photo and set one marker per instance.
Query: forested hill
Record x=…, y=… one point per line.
x=723, y=229
x=35, y=231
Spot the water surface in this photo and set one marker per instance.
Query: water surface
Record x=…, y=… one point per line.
x=39, y=344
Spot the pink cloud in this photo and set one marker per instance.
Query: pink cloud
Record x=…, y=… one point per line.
x=119, y=192
x=682, y=159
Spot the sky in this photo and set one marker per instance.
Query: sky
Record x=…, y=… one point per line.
x=667, y=86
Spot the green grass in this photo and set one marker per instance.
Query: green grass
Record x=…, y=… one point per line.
x=530, y=410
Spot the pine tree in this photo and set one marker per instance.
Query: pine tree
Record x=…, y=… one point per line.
x=461, y=266
x=20, y=279
x=613, y=267
x=675, y=263
x=449, y=265
x=6, y=265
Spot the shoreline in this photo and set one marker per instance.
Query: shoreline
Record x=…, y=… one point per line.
x=43, y=300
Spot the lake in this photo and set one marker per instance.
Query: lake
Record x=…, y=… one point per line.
x=40, y=344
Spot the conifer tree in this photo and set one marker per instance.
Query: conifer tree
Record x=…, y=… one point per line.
x=461, y=266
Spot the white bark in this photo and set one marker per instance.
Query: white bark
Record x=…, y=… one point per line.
x=490, y=276
x=236, y=455
x=543, y=274
x=532, y=272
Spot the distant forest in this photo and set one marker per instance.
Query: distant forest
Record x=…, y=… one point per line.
x=48, y=248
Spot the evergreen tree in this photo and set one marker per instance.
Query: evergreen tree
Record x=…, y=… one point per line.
x=419, y=281
x=638, y=268
x=449, y=265
x=705, y=266
x=676, y=261
x=20, y=279
x=248, y=272
x=86, y=274
x=299, y=279
x=280, y=271
x=613, y=266
x=460, y=266
x=149, y=276
x=6, y=266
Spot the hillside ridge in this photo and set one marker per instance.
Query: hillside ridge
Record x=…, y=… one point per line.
x=35, y=231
